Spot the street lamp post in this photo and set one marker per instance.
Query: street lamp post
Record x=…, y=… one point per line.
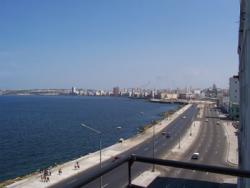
x=192, y=121
x=118, y=131
x=179, y=140
x=100, y=145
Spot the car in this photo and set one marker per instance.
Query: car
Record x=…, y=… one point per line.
x=217, y=122
x=184, y=117
x=168, y=135
x=195, y=156
x=115, y=158
x=121, y=140
x=163, y=133
x=206, y=120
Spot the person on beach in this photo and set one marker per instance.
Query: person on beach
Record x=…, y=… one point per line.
x=42, y=177
x=49, y=171
x=77, y=166
x=59, y=171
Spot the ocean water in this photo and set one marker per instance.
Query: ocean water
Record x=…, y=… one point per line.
x=40, y=131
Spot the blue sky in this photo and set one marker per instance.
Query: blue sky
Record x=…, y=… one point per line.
x=129, y=43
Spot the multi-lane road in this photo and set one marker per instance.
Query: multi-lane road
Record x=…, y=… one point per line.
x=211, y=145
x=119, y=176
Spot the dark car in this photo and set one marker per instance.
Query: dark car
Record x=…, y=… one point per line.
x=168, y=135
x=195, y=156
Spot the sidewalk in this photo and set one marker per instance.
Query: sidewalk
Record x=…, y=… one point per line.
x=88, y=161
x=232, y=149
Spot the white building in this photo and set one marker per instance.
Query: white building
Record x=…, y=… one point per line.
x=168, y=96
x=244, y=77
x=74, y=91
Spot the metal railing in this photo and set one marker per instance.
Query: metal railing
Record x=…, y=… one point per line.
x=170, y=163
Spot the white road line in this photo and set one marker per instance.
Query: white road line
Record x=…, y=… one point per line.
x=105, y=185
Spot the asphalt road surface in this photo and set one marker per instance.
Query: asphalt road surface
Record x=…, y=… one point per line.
x=119, y=176
x=211, y=145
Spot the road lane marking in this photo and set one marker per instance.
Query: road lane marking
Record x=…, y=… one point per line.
x=105, y=185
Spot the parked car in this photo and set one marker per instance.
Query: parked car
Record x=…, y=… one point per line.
x=184, y=117
x=163, y=132
x=195, y=156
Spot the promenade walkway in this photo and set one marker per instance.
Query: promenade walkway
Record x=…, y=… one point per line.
x=88, y=161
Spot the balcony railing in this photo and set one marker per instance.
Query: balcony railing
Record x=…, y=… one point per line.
x=170, y=163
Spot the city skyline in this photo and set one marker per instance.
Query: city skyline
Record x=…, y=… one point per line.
x=130, y=44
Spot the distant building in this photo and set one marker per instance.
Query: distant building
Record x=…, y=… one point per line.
x=74, y=91
x=214, y=91
x=234, y=97
x=211, y=92
x=197, y=93
x=186, y=96
x=153, y=94
x=116, y=91
x=168, y=96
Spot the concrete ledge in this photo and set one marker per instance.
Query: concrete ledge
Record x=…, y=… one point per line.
x=144, y=179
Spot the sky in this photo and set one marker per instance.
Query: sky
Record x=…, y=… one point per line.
x=126, y=43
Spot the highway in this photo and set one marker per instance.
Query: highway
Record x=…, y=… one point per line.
x=211, y=145
x=119, y=176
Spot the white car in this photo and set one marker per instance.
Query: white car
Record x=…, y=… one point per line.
x=195, y=156
x=121, y=140
x=184, y=117
x=206, y=120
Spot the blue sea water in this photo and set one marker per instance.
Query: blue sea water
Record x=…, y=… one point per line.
x=40, y=131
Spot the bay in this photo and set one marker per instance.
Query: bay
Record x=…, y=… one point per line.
x=40, y=131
